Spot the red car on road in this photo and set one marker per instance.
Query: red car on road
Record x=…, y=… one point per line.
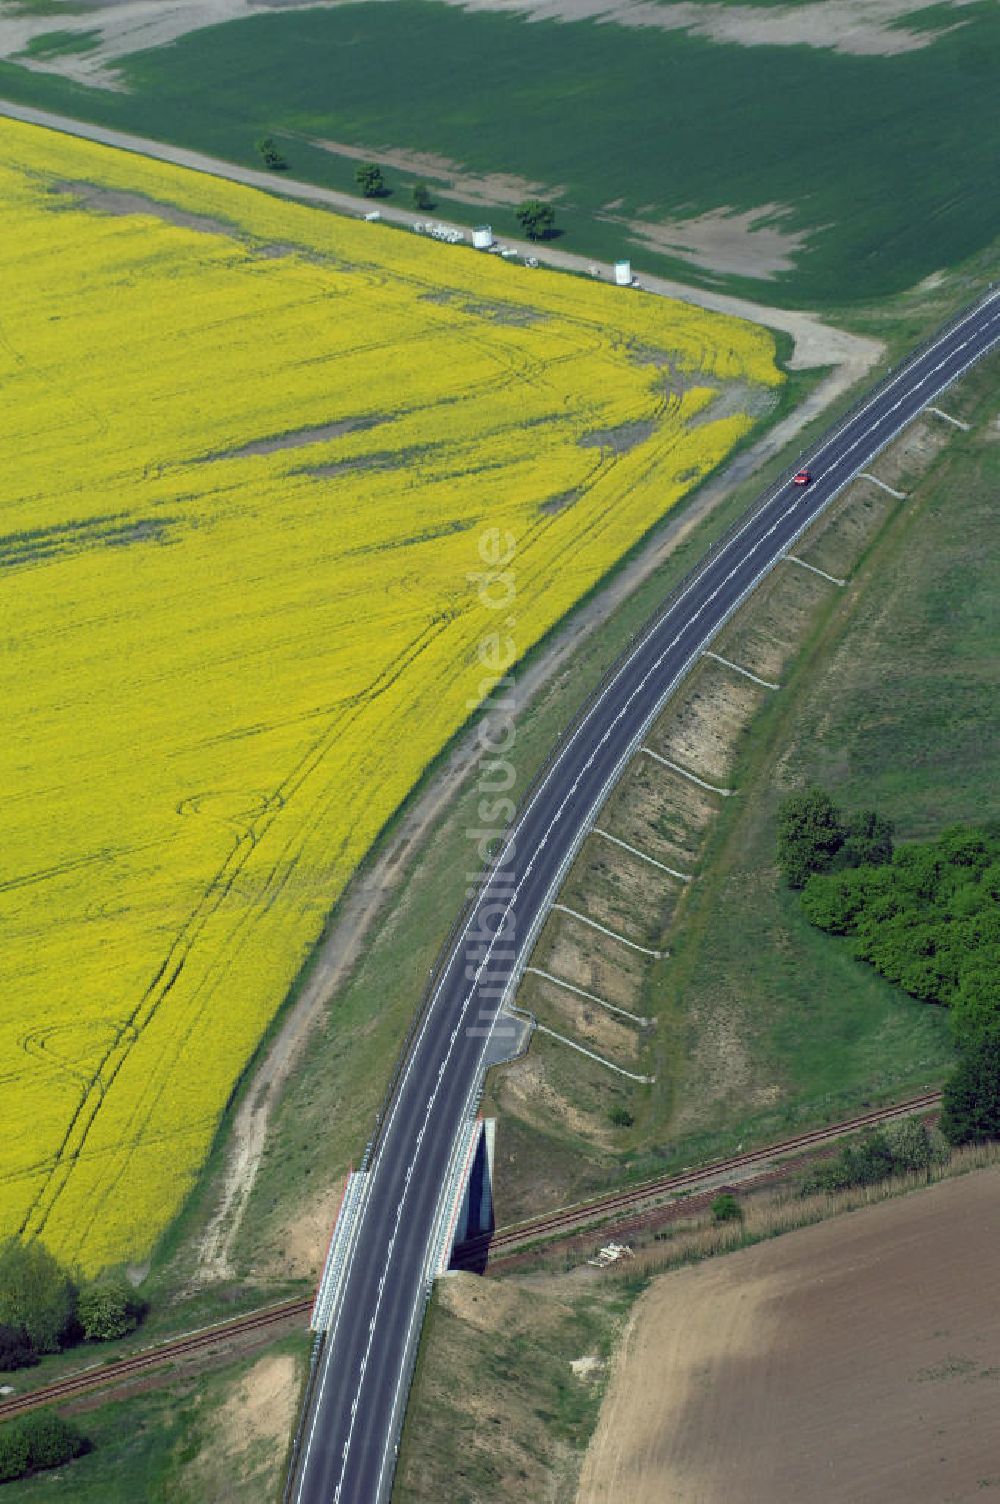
x=802, y=478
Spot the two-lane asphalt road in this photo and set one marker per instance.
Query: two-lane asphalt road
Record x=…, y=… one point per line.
x=349, y=1437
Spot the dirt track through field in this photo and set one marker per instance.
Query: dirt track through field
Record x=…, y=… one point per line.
x=855, y=1362
x=815, y=344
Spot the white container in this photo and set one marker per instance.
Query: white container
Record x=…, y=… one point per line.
x=482, y=237
x=623, y=273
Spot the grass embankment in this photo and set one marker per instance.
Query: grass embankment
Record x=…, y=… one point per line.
x=200, y=1436
x=326, y=1112
x=891, y=706
x=763, y=1023
x=499, y=1410
x=618, y=124
x=769, y=1216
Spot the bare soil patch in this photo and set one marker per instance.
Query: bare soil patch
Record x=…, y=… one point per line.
x=249, y=1433
x=118, y=202
x=751, y=243
x=577, y=1018
x=450, y=179
x=534, y=1090
x=620, y=891
x=840, y=538
x=910, y=456
x=767, y=632
x=118, y=28
x=661, y=813
x=741, y=1379
x=590, y=960
x=621, y=439
x=301, y=437
x=701, y=729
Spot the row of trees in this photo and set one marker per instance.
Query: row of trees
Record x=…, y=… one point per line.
x=43, y=1309
x=537, y=219
x=926, y=917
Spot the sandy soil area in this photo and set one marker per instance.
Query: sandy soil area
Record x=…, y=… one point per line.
x=855, y=1361
x=751, y=244
x=119, y=28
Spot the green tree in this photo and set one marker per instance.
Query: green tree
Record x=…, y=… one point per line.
x=810, y=834
x=108, y=1309
x=422, y=197
x=726, y=1208
x=909, y=1145
x=16, y=1350
x=267, y=150
x=537, y=220
x=36, y=1294
x=620, y=1116
x=368, y=176
x=867, y=840
x=970, y=1105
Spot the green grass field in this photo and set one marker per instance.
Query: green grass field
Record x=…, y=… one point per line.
x=764, y=1023
x=893, y=705
x=201, y=1436
x=887, y=163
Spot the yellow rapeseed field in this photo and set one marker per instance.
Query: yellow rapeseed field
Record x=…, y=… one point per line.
x=224, y=666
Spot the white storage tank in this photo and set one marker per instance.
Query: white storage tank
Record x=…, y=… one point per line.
x=623, y=273
x=482, y=237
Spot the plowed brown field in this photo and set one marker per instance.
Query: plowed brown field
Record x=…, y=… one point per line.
x=854, y=1361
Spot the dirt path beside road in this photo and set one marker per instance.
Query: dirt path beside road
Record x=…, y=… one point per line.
x=815, y=345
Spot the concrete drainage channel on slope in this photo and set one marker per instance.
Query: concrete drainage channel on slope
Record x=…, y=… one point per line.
x=369, y=1357
x=585, y=988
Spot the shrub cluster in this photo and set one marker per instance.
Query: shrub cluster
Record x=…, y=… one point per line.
x=39, y=1440
x=900, y=1148
x=43, y=1309
x=814, y=836
x=926, y=917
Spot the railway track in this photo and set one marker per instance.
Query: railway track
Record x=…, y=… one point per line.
x=103, y=1375
x=565, y=1221
x=573, y=1219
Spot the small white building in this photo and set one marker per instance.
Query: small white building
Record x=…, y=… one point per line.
x=623, y=273
x=482, y=237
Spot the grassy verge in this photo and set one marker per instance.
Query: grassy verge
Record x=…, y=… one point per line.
x=771, y=1215
x=211, y=1435
x=765, y=1024
x=515, y=1426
